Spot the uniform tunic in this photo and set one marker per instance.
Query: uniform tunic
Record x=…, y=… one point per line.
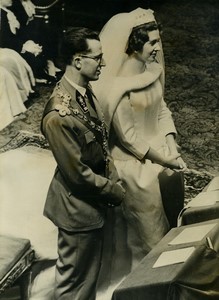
x=84, y=183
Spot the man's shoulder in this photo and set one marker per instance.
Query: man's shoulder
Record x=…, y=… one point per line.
x=59, y=102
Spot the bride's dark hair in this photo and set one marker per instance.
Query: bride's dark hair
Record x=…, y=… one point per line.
x=139, y=36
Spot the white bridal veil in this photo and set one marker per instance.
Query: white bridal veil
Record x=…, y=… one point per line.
x=114, y=39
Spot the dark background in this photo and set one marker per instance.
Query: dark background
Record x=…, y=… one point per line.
x=95, y=13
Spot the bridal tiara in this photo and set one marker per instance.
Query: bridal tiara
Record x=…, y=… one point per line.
x=143, y=16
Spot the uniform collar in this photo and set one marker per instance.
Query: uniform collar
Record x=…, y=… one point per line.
x=79, y=88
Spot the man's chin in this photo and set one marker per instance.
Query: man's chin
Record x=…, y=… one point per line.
x=95, y=78
x=152, y=58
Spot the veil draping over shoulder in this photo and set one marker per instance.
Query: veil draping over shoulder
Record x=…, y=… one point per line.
x=114, y=39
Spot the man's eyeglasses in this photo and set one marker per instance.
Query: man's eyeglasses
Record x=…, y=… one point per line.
x=98, y=58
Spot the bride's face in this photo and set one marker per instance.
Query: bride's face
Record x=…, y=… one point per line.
x=150, y=48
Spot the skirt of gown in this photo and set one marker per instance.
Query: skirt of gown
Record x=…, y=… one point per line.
x=143, y=207
x=154, y=198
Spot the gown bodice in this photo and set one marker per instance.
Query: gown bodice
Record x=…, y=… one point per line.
x=141, y=120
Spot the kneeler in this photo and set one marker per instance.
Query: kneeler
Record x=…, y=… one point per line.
x=199, y=279
x=204, y=207
x=16, y=257
x=196, y=278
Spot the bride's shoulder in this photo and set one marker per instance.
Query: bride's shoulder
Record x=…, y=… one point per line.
x=137, y=81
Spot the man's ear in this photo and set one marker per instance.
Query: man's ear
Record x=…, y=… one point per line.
x=76, y=61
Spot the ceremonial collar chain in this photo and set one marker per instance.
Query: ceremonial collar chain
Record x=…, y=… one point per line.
x=82, y=103
x=65, y=109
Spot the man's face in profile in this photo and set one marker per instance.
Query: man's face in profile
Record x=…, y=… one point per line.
x=92, y=62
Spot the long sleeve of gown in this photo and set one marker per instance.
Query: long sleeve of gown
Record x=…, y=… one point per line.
x=165, y=119
x=124, y=126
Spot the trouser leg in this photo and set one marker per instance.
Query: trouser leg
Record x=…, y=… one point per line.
x=78, y=264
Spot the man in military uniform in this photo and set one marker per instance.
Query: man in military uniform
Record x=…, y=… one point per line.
x=85, y=182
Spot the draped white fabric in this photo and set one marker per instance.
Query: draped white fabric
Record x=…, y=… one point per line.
x=11, y=103
x=19, y=69
x=25, y=175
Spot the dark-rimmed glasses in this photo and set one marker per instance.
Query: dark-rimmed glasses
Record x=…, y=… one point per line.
x=98, y=58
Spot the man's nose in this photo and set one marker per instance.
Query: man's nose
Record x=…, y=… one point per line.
x=102, y=62
x=157, y=47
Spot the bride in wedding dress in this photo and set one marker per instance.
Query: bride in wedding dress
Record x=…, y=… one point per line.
x=142, y=137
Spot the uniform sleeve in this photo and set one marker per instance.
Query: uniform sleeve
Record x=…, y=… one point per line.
x=165, y=119
x=124, y=126
x=67, y=152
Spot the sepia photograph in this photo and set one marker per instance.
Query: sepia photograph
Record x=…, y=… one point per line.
x=109, y=150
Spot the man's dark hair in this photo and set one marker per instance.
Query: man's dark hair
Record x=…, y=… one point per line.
x=139, y=36
x=75, y=41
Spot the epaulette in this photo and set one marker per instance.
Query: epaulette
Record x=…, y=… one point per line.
x=63, y=107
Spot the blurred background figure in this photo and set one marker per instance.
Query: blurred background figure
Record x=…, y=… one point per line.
x=17, y=85
x=20, y=71
x=17, y=33
x=11, y=103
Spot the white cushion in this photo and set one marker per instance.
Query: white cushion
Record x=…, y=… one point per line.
x=25, y=175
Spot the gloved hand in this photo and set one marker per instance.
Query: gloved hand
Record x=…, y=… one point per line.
x=118, y=195
x=32, y=47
